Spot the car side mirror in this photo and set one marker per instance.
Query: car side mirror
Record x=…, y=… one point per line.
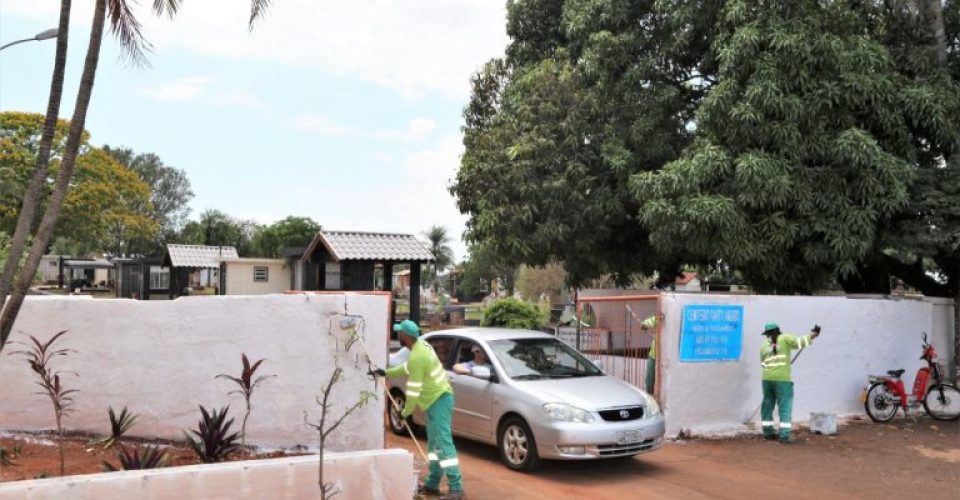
x=481, y=372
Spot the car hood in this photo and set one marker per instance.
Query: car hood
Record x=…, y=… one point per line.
x=588, y=393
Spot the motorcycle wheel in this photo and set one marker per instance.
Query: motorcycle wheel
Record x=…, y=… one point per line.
x=942, y=402
x=881, y=404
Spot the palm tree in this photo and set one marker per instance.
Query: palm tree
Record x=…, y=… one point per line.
x=127, y=29
x=32, y=194
x=438, y=242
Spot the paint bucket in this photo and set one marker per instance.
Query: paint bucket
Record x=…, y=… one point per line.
x=823, y=423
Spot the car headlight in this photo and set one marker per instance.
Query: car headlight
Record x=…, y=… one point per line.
x=653, y=408
x=566, y=413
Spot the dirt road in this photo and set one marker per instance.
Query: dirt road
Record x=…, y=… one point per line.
x=905, y=459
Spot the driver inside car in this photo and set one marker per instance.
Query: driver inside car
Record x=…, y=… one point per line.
x=479, y=360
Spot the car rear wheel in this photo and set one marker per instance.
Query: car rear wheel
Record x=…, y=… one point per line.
x=396, y=421
x=518, y=449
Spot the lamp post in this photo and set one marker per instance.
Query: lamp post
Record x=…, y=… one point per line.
x=43, y=35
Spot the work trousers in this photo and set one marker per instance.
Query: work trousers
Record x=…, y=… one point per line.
x=440, y=449
x=780, y=394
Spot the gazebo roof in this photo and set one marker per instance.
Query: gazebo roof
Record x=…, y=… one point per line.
x=88, y=263
x=198, y=256
x=356, y=245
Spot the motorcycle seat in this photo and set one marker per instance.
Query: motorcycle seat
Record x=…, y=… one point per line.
x=895, y=373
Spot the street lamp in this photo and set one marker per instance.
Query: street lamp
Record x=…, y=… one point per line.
x=43, y=35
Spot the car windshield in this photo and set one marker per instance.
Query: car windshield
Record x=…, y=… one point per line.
x=532, y=359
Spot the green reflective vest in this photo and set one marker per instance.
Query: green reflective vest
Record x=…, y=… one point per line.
x=776, y=365
x=426, y=378
x=650, y=324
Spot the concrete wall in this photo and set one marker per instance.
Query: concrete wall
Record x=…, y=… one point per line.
x=860, y=337
x=384, y=474
x=239, y=277
x=160, y=358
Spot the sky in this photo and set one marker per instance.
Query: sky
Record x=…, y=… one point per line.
x=345, y=112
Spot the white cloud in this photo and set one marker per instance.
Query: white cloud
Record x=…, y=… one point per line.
x=412, y=46
x=238, y=99
x=32, y=9
x=321, y=124
x=417, y=129
x=180, y=90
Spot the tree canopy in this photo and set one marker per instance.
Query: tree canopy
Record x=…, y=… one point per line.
x=801, y=143
x=292, y=231
x=170, y=195
x=104, y=205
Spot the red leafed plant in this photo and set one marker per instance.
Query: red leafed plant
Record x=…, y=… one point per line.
x=39, y=355
x=247, y=384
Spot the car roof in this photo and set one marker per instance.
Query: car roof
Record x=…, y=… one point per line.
x=488, y=334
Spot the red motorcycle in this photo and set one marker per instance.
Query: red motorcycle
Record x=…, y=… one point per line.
x=885, y=394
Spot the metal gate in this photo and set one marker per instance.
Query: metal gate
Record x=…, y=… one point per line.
x=611, y=330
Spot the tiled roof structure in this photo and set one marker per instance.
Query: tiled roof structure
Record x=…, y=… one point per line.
x=199, y=255
x=355, y=245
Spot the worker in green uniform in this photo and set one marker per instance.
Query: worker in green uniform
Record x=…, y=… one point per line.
x=777, y=386
x=650, y=325
x=429, y=389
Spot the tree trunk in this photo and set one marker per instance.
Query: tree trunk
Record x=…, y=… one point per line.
x=931, y=12
x=77, y=123
x=956, y=332
x=31, y=198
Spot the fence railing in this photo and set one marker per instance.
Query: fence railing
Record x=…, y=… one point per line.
x=612, y=331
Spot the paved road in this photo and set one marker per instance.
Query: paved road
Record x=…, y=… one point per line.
x=905, y=460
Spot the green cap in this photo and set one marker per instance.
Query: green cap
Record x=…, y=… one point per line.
x=770, y=326
x=407, y=327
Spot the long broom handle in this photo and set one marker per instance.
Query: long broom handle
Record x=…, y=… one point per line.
x=393, y=402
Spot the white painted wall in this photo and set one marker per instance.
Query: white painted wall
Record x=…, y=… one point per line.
x=160, y=358
x=239, y=278
x=375, y=475
x=860, y=337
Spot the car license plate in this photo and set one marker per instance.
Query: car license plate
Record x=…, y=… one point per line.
x=629, y=437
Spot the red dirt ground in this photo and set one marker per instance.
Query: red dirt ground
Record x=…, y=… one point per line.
x=904, y=459
x=39, y=456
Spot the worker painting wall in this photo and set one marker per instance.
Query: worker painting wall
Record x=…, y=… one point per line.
x=160, y=359
x=861, y=336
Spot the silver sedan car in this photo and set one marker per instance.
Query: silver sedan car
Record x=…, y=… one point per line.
x=535, y=397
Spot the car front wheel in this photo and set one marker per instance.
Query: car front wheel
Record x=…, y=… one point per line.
x=396, y=421
x=518, y=449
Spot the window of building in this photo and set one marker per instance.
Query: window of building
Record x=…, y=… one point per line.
x=53, y=263
x=261, y=273
x=332, y=279
x=159, y=278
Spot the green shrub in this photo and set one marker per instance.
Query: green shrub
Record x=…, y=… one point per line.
x=512, y=313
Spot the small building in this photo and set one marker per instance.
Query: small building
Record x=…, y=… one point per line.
x=195, y=267
x=142, y=278
x=361, y=261
x=246, y=276
x=85, y=273
x=49, y=270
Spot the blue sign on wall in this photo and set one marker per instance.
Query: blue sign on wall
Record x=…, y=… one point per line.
x=711, y=333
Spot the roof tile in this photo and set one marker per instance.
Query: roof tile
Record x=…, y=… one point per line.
x=199, y=255
x=353, y=245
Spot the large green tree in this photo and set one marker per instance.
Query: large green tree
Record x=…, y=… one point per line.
x=292, y=231
x=802, y=149
x=170, y=195
x=103, y=204
x=216, y=228
x=590, y=93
